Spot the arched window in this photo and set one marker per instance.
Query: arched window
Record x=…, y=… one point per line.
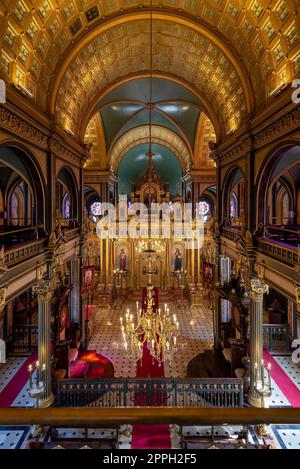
x=204, y=210
x=233, y=206
x=285, y=208
x=66, y=206
x=96, y=209
x=18, y=201
x=14, y=208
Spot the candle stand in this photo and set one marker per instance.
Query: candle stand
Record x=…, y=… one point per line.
x=264, y=390
x=36, y=391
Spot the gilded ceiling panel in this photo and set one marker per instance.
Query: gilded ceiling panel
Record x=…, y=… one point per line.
x=176, y=48
x=37, y=36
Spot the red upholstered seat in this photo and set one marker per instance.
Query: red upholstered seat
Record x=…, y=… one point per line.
x=79, y=369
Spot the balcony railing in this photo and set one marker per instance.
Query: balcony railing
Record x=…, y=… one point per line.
x=95, y=418
x=25, y=251
x=71, y=233
x=278, y=250
x=276, y=338
x=13, y=235
x=224, y=392
x=230, y=232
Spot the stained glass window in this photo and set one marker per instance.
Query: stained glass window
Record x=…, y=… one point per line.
x=66, y=206
x=96, y=209
x=233, y=206
x=203, y=208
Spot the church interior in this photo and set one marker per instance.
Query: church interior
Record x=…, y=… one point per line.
x=157, y=326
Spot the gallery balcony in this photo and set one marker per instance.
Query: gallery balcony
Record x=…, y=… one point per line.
x=22, y=243
x=280, y=242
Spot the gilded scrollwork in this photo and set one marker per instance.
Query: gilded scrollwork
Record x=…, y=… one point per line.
x=3, y=292
x=43, y=290
x=258, y=289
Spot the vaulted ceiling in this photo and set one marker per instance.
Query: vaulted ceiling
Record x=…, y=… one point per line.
x=122, y=119
x=67, y=53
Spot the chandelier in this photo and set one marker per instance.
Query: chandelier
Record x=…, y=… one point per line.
x=146, y=246
x=158, y=330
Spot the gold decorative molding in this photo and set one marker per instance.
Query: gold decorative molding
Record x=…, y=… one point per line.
x=238, y=151
x=13, y=123
x=258, y=290
x=40, y=272
x=298, y=295
x=23, y=129
x=279, y=128
x=260, y=271
x=3, y=292
x=62, y=152
x=43, y=290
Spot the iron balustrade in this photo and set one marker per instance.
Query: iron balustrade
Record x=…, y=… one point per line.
x=163, y=392
x=276, y=337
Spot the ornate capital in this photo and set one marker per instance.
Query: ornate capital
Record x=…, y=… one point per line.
x=43, y=290
x=258, y=289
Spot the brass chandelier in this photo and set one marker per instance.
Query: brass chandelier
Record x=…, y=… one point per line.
x=155, y=329
x=158, y=330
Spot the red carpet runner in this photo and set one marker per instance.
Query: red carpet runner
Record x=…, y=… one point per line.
x=150, y=436
x=283, y=381
x=16, y=384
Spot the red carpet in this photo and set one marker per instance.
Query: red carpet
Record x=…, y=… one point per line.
x=150, y=436
x=286, y=385
x=16, y=384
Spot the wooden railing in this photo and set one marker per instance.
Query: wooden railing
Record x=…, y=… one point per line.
x=71, y=233
x=288, y=234
x=230, y=232
x=25, y=251
x=214, y=392
x=289, y=255
x=276, y=337
x=95, y=418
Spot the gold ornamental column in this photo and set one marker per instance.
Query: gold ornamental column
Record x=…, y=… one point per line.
x=3, y=291
x=44, y=292
x=256, y=294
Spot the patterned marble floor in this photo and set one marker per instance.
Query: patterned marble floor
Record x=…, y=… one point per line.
x=107, y=340
x=290, y=368
x=9, y=369
x=195, y=336
x=13, y=437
